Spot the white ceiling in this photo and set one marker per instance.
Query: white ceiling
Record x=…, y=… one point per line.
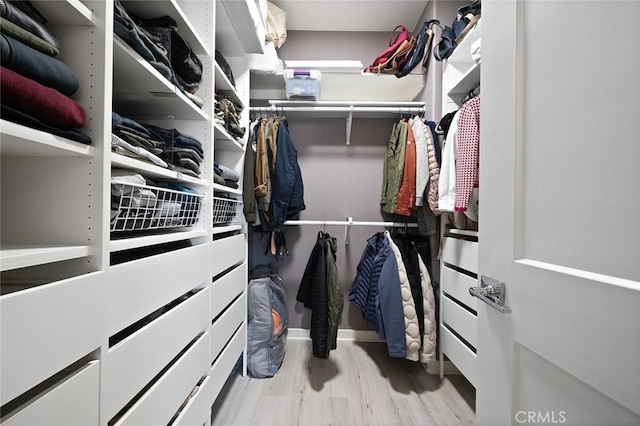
x=351, y=15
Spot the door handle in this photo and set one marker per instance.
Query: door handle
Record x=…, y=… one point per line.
x=491, y=291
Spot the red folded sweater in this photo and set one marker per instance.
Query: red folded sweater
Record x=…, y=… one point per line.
x=44, y=103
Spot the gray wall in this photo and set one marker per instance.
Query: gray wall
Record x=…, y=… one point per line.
x=341, y=180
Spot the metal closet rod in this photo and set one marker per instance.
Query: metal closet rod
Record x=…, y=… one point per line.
x=347, y=109
x=349, y=223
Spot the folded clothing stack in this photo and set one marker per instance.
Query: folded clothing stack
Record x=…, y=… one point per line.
x=168, y=148
x=35, y=86
x=158, y=41
x=229, y=113
x=225, y=176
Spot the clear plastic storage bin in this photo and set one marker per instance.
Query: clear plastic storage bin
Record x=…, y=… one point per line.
x=302, y=84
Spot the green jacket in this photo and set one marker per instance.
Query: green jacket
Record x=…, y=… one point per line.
x=393, y=167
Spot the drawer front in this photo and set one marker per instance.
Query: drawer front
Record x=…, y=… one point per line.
x=197, y=410
x=227, y=288
x=457, y=285
x=226, y=325
x=460, y=320
x=225, y=362
x=227, y=252
x=141, y=356
x=461, y=253
x=463, y=357
x=161, y=402
x=45, y=329
x=140, y=287
x=72, y=402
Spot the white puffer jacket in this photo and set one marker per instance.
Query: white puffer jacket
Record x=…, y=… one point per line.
x=434, y=171
x=412, y=330
x=428, y=351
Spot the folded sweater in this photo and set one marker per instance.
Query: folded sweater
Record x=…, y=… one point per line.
x=27, y=38
x=18, y=17
x=37, y=66
x=44, y=103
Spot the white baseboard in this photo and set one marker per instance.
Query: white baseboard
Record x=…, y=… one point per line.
x=353, y=335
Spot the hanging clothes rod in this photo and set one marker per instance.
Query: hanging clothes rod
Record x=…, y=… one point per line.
x=349, y=223
x=348, y=108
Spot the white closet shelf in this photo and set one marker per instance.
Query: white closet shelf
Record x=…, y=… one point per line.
x=14, y=256
x=224, y=141
x=463, y=232
x=139, y=90
x=223, y=84
x=226, y=228
x=66, y=12
x=239, y=28
x=151, y=240
x=346, y=87
x=22, y=141
x=462, y=53
x=153, y=171
x=228, y=190
x=154, y=9
x=468, y=81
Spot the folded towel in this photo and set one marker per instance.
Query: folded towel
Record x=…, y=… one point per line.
x=44, y=103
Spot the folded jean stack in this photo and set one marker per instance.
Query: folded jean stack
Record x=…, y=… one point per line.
x=168, y=148
x=138, y=203
x=227, y=114
x=157, y=41
x=35, y=86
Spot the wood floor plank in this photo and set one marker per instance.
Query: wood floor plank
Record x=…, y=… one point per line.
x=359, y=385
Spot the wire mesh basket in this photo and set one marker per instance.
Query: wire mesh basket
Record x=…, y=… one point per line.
x=226, y=211
x=137, y=207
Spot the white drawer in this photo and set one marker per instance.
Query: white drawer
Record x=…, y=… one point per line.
x=161, y=402
x=140, y=287
x=72, y=402
x=225, y=362
x=227, y=324
x=227, y=288
x=464, y=359
x=460, y=320
x=133, y=362
x=457, y=285
x=227, y=252
x=47, y=328
x=197, y=410
x=461, y=253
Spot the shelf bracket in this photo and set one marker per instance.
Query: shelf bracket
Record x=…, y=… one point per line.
x=347, y=229
x=349, y=121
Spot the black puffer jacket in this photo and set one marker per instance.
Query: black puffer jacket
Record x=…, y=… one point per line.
x=410, y=260
x=313, y=293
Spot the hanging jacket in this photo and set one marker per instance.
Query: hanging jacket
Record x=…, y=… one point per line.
x=429, y=335
x=262, y=170
x=287, y=198
x=434, y=171
x=447, y=183
x=410, y=260
x=335, y=294
x=248, y=192
x=393, y=167
x=411, y=328
x=376, y=292
x=407, y=192
x=467, y=152
x=313, y=294
x=422, y=159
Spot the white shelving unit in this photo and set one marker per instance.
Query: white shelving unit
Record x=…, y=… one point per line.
x=126, y=324
x=459, y=264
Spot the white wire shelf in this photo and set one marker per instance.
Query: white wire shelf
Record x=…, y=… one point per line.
x=141, y=208
x=226, y=211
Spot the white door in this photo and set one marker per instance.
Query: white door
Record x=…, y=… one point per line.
x=560, y=213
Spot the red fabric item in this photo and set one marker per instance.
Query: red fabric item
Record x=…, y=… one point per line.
x=44, y=103
x=468, y=145
x=407, y=193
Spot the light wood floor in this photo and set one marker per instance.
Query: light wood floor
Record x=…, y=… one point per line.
x=358, y=385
